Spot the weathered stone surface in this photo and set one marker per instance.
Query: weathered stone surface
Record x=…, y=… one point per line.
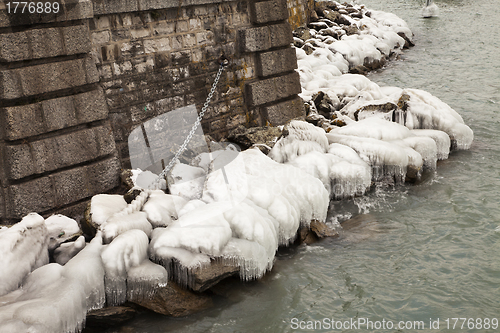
x=247, y=137
x=206, y=277
x=306, y=236
x=263, y=38
x=110, y=316
x=268, y=11
x=39, y=79
x=33, y=119
x=76, y=39
x=174, y=301
x=19, y=161
x=276, y=62
x=104, y=175
x=36, y=195
x=273, y=89
x=126, y=178
x=281, y=113
x=14, y=46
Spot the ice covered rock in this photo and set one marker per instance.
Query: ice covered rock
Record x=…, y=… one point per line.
x=23, y=248
x=162, y=208
x=186, y=181
x=247, y=137
x=299, y=138
x=121, y=223
x=56, y=298
x=61, y=229
x=68, y=250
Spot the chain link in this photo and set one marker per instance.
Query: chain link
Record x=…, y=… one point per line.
x=156, y=184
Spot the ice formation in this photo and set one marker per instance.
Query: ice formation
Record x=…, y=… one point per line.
x=23, y=248
x=128, y=269
x=60, y=228
x=430, y=9
x=252, y=207
x=56, y=298
x=68, y=250
x=186, y=181
x=162, y=208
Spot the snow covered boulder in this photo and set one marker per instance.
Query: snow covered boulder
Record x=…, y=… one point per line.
x=23, y=248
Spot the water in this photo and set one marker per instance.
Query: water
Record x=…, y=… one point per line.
x=433, y=251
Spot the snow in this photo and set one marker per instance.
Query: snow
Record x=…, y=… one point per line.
x=23, y=248
x=186, y=181
x=162, y=208
x=60, y=228
x=68, y=250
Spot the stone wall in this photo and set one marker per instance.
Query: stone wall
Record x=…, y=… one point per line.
x=299, y=12
x=73, y=85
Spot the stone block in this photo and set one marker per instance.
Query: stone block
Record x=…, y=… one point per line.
x=101, y=37
x=39, y=79
x=268, y=11
x=275, y=62
x=14, y=46
x=157, y=45
x=102, y=7
x=151, y=4
x=46, y=43
x=287, y=85
x=2, y=206
x=280, y=113
x=10, y=84
x=281, y=34
x=272, y=89
x=70, y=149
x=59, y=113
x=104, y=175
x=36, y=195
x=76, y=39
x=19, y=161
x=78, y=9
x=139, y=33
x=22, y=121
x=90, y=106
x=255, y=39
x=70, y=186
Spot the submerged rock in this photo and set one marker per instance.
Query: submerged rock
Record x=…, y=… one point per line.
x=108, y=317
x=208, y=276
x=174, y=301
x=316, y=231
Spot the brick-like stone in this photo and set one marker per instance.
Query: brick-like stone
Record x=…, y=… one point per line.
x=104, y=175
x=263, y=38
x=71, y=149
x=281, y=34
x=46, y=43
x=272, y=89
x=23, y=121
x=280, y=113
x=33, y=196
x=102, y=7
x=275, y=62
x=255, y=39
x=288, y=85
x=14, y=46
x=39, y=79
x=76, y=39
x=157, y=45
x=78, y=9
x=70, y=186
x=2, y=205
x=151, y=4
x=101, y=37
x=90, y=106
x=10, y=84
x=268, y=11
x=59, y=113
x=19, y=161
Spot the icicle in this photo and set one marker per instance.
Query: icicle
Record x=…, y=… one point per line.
x=144, y=279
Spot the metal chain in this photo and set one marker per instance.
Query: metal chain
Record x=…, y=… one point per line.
x=156, y=184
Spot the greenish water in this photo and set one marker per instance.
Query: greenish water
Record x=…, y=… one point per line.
x=433, y=251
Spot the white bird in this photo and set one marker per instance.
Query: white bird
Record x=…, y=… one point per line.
x=430, y=9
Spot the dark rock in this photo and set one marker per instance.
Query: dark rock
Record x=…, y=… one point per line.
x=174, y=301
x=302, y=33
x=360, y=69
x=374, y=108
x=314, y=16
x=308, y=48
x=247, y=137
x=306, y=236
x=403, y=101
x=318, y=25
x=131, y=195
x=351, y=30
x=351, y=9
x=298, y=43
x=408, y=42
x=108, y=317
x=126, y=178
x=323, y=104
x=357, y=14
x=322, y=230
x=369, y=14
x=206, y=277
x=88, y=227
x=373, y=64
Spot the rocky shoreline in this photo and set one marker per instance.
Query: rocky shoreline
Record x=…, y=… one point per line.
x=168, y=253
